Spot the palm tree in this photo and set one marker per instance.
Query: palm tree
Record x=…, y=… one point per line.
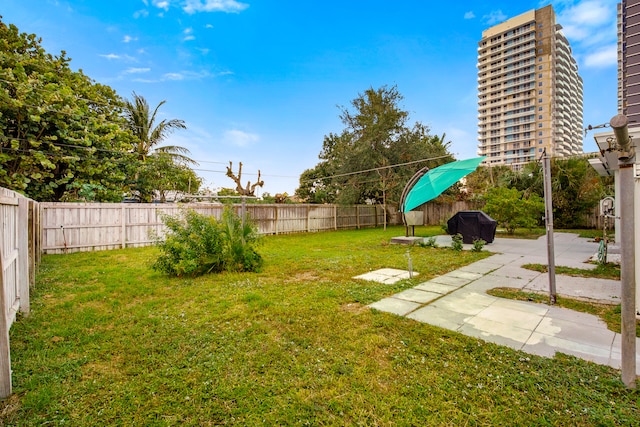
x=142, y=123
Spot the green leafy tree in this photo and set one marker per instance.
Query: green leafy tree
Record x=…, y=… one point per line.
x=480, y=181
x=160, y=175
x=59, y=130
x=576, y=188
x=512, y=209
x=359, y=164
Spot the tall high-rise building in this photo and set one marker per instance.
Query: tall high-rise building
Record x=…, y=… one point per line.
x=529, y=91
x=629, y=60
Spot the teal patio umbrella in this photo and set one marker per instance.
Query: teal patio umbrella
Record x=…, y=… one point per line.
x=432, y=183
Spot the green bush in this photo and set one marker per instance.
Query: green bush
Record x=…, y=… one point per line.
x=197, y=244
x=456, y=242
x=478, y=244
x=429, y=242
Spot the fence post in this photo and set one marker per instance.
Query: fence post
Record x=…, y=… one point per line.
x=123, y=226
x=335, y=217
x=23, y=254
x=5, y=354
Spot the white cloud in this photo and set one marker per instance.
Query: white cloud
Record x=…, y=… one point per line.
x=173, y=76
x=188, y=34
x=591, y=27
x=179, y=76
x=494, y=17
x=113, y=56
x=469, y=15
x=128, y=39
x=161, y=4
x=228, y=6
x=605, y=57
x=136, y=70
x=142, y=13
x=208, y=26
x=240, y=138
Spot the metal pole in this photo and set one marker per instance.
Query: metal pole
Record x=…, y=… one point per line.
x=627, y=276
x=627, y=263
x=548, y=218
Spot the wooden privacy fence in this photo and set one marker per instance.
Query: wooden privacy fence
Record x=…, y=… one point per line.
x=74, y=227
x=19, y=256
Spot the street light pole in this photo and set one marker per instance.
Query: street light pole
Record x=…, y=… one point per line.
x=626, y=158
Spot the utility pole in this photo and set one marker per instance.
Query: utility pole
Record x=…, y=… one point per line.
x=548, y=219
x=626, y=159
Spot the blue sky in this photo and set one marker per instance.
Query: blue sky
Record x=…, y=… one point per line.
x=260, y=82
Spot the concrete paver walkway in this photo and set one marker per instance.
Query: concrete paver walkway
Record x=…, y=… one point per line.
x=458, y=301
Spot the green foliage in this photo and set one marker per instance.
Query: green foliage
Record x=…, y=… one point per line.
x=376, y=137
x=512, y=209
x=478, y=244
x=429, y=242
x=576, y=188
x=160, y=174
x=197, y=244
x=456, y=242
x=60, y=132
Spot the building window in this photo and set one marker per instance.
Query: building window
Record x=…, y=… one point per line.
x=540, y=51
x=540, y=59
x=540, y=133
x=539, y=150
x=539, y=83
x=540, y=117
x=540, y=75
x=539, y=42
x=539, y=141
x=539, y=92
x=540, y=108
x=539, y=99
x=539, y=67
x=540, y=124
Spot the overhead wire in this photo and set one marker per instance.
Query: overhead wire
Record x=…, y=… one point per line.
x=59, y=144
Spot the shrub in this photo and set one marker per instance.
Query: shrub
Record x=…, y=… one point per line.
x=456, y=242
x=478, y=244
x=197, y=244
x=429, y=242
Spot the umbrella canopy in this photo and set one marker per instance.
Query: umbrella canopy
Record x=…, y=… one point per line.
x=434, y=182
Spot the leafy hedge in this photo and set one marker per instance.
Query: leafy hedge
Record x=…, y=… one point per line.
x=197, y=244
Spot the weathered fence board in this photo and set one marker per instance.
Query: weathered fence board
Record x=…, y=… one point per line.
x=18, y=249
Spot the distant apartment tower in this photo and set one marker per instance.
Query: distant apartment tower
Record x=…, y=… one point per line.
x=529, y=91
x=629, y=60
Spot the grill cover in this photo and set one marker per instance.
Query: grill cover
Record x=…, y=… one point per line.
x=473, y=225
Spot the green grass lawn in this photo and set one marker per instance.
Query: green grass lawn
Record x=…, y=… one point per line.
x=111, y=342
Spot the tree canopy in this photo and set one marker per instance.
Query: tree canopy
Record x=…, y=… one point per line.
x=65, y=137
x=59, y=129
x=374, y=156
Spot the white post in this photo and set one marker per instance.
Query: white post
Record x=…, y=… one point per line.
x=5, y=354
